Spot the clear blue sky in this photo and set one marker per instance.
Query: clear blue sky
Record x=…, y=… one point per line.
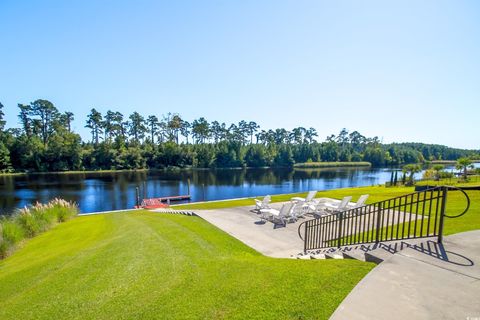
x=400, y=70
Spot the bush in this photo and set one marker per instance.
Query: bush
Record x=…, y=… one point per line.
x=429, y=175
x=446, y=175
x=30, y=221
x=63, y=210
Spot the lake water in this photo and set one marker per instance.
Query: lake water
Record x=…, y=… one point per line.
x=112, y=191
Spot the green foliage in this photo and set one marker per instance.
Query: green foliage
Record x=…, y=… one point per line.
x=375, y=155
x=284, y=157
x=5, y=164
x=131, y=158
x=464, y=164
x=411, y=169
x=257, y=156
x=206, y=156
x=226, y=155
x=45, y=142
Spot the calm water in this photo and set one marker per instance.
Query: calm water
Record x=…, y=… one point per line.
x=112, y=191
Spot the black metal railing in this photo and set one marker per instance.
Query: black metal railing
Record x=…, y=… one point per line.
x=415, y=215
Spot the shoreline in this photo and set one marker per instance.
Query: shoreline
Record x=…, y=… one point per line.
x=318, y=165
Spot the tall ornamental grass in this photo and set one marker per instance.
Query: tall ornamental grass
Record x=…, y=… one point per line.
x=30, y=221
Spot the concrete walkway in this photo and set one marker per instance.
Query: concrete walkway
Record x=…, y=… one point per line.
x=267, y=238
x=428, y=281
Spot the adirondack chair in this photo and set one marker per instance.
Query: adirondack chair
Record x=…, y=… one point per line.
x=263, y=204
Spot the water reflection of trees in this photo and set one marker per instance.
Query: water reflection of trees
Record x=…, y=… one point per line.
x=115, y=190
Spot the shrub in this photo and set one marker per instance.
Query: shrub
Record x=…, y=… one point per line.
x=27, y=221
x=446, y=175
x=429, y=174
x=63, y=210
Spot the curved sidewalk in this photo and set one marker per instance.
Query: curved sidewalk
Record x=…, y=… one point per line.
x=429, y=281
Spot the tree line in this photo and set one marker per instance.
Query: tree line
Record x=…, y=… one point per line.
x=45, y=142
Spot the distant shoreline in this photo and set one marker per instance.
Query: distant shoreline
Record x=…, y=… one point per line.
x=315, y=165
x=451, y=162
x=306, y=165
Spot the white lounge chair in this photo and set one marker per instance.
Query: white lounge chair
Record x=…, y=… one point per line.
x=263, y=204
x=360, y=202
x=326, y=208
x=310, y=196
x=283, y=215
x=317, y=205
x=299, y=210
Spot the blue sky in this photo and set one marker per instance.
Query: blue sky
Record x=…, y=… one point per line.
x=400, y=70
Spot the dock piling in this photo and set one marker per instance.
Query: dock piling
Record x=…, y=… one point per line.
x=137, y=196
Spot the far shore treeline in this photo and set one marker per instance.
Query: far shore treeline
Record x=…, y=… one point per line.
x=45, y=142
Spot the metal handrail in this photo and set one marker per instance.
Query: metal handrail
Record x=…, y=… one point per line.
x=468, y=202
x=299, y=227
x=397, y=218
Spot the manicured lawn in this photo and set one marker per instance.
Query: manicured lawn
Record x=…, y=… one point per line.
x=142, y=265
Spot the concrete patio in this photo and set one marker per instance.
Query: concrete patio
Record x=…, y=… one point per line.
x=267, y=238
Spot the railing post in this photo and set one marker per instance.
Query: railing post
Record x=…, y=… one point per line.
x=379, y=212
x=339, y=231
x=442, y=214
x=305, y=238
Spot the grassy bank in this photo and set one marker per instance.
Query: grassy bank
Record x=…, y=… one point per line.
x=309, y=165
x=72, y=172
x=143, y=265
x=31, y=221
x=454, y=181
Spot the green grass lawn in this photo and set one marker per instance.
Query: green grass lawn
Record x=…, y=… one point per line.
x=142, y=265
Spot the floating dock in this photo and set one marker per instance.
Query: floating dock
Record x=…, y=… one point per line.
x=155, y=203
